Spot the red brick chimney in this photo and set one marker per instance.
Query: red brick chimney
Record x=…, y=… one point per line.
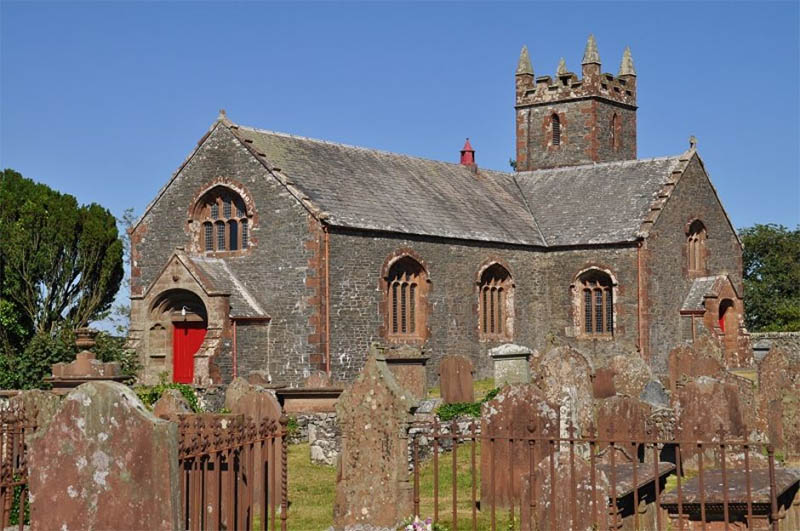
x=467, y=154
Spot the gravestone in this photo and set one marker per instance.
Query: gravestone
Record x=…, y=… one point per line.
x=565, y=376
x=511, y=364
x=317, y=379
x=778, y=399
x=104, y=462
x=506, y=456
x=622, y=419
x=170, y=405
x=372, y=483
x=701, y=358
x=603, y=383
x=655, y=394
x=550, y=507
x=455, y=380
x=631, y=373
x=39, y=406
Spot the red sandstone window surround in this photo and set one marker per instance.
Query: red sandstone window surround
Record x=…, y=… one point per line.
x=596, y=304
x=696, y=248
x=616, y=132
x=556, y=125
x=406, y=288
x=496, y=303
x=224, y=219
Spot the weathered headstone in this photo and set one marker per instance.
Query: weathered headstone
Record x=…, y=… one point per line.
x=506, y=422
x=779, y=400
x=603, y=383
x=170, y=404
x=511, y=364
x=622, y=419
x=565, y=376
x=39, y=406
x=701, y=358
x=655, y=394
x=317, y=379
x=372, y=484
x=407, y=364
x=631, y=373
x=567, y=504
x=455, y=380
x=104, y=462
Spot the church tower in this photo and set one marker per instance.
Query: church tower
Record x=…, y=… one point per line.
x=566, y=120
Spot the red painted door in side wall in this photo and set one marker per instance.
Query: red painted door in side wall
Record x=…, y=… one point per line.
x=186, y=341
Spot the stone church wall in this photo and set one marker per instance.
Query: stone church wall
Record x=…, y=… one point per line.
x=666, y=262
x=275, y=268
x=542, y=297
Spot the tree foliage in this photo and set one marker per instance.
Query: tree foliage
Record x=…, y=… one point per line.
x=60, y=261
x=771, y=261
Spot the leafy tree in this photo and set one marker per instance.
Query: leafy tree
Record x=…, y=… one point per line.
x=771, y=277
x=59, y=262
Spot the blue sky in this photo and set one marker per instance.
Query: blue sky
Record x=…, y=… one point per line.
x=104, y=100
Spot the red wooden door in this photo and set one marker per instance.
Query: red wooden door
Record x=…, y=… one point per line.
x=186, y=341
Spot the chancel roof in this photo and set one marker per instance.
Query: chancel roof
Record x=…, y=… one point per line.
x=369, y=189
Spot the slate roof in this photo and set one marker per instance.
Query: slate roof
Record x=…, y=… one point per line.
x=369, y=189
x=700, y=288
x=595, y=203
x=220, y=273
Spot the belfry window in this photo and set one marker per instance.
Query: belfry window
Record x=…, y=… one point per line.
x=406, y=286
x=225, y=221
x=495, y=303
x=596, y=304
x=696, y=248
x=556, y=124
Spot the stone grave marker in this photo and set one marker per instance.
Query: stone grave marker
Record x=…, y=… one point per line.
x=505, y=455
x=631, y=373
x=318, y=379
x=565, y=376
x=549, y=507
x=455, y=379
x=622, y=419
x=372, y=484
x=655, y=394
x=603, y=383
x=779, y=399
x=511, y=364
x=41, y=405
x=104, y=462
x=170, y=405
x=702, y=358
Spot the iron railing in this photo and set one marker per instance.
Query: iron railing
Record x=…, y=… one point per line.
x=233, y=472
x=636, y=481
x=15, y=427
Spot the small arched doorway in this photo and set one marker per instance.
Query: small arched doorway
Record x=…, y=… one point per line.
x=183, y=312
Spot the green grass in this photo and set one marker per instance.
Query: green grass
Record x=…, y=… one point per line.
x=312, y=489
x=480, y=387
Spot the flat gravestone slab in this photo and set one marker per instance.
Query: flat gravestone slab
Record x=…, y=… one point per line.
x=455, y=380
x=104, y=462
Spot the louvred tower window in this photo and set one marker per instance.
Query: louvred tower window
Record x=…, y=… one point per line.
x=556, y=125
x=225, y=221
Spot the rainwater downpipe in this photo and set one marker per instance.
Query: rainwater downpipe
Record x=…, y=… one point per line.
x=327, y=301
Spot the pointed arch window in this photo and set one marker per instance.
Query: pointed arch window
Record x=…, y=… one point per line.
x=596, y=304
x=406, y=289
x=556, y=125
x=495, y=303
x=225, y=221
x=696, y=248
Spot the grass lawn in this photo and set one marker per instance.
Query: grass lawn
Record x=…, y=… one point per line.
x=311, y=491
x=480, y=387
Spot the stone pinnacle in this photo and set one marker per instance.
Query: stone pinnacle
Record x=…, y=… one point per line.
x=626, y=66
x=590, y=55
x=524, y=65
x=562, y=67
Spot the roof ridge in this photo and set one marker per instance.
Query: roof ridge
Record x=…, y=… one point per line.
x=360, y=148
x=600, y=164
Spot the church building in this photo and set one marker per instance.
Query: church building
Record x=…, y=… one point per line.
x=273, y=252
